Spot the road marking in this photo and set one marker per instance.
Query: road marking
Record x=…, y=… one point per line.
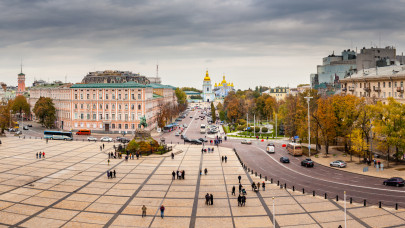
x=359, y=186
x=189, y=124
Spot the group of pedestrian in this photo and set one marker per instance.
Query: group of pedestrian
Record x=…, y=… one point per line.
x=376, y=163
x=40, y=154
x=111, y=174
x=241, y=200
x=180, y=174
x=208, y=149
x=257, y=187
x=224, y=158
x=209, y=199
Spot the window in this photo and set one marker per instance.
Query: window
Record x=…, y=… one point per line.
x=389, y=94
x=106, y=116
x=101, y=116
x=81, y=106
x=119, y=96
x=395, y=84
x=119, y=116
x=119, y=107
x=113, y=116
x=384, y=95
x=389, y=84
x=113, y=126
x=113, y=106
x=81, y=96
x=100, y=96
x=378, y=84
x=75, y=96
x=139, y=107
x=75, y=115
x=81, y=116
x=113, y=96
x=384, y=85
x=126, y=117
x=395, y=94
x=119, y=126
x=360, y=85
x=139, y=96
x=106, y=96
x=133, y=96
x=126, y=106
x=133, y=116
x=94, y=96
x=132, y=106
x=101, y=106
x=75, y=106
x=126, y=96
x=126, y=126
x=132, y=126
x=88, y=106
x=94, y=106
x=208, y=89
x=88, y=96
x=94, y=116
x=106, y=106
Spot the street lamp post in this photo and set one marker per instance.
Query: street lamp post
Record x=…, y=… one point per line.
x=10, y=118
x=274, y=215
x=309, y=129
x=344, y=194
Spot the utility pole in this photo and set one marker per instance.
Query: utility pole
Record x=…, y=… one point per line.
x=10, y=118
x=276, y=126
x=371, y=140
x=309, y=129
x=254, y=125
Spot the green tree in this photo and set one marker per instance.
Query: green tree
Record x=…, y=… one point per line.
x=5, y=117
x=326, y=120
x=133, y=146
x=222, y=115
x=181, y=96
x=213, y=115
x=20, y=105
x=45, y=111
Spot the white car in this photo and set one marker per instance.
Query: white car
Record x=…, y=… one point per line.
x=246, y=141
x=338, y=163
x=177, y=134
x=91, y=138
x=106, y=139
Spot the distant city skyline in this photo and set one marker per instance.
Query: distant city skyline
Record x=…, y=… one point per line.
x=268, y=43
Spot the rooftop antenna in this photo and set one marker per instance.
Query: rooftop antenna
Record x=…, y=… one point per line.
x=379, y=40
x=21, y=65
x=65, y=78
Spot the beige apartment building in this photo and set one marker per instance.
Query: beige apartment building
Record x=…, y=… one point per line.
x=377, y=84
x=279, y=93
x=106, y=107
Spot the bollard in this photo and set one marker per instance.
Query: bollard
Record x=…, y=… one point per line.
x=293, y=188
x=303, y=191
x=256, y=174
x=285, y=185
x=326, y=196
x=364, y=202
x=396, y=206
x=248, y=169
x=351, y=200
x=252, y=171
x=379, y=204
x=281, y=186
x=278, y=183
x=337, y=198
x=265, y=178
x=260, y=176
x=313, y=193
x=271, y=180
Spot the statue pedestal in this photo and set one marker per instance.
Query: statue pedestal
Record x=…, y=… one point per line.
x=142, y=133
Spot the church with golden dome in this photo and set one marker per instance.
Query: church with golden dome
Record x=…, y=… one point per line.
x=207, y=94
x=222, y=89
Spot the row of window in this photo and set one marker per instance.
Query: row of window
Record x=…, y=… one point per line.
x=383, y=84
x=382, y=95
x=113, y=126
x=107, y=106
x=93, y=116
x=107, y=96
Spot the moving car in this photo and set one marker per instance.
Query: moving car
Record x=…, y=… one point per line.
x=191, y=117
x=284, y=160
x=106, y=139
x=122, y=139
x=394, y=181
x=338, y=163
x=18, y=132
x=270, y=148
x=195, y=141
x=25, y=127
x=29, y=125
x=307, y=163
x=203, y=140
x=246, y=141
x=91, y=138
x=177, y=134
x=186, y=139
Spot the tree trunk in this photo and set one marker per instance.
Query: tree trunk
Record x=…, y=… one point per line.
x=388, y=157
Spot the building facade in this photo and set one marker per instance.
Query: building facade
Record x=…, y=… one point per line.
x=116, y=76
x=279, y=93
x=377, y=84
x=106, y=107
x=208, y=95
x=222, y=89
x=21, y=84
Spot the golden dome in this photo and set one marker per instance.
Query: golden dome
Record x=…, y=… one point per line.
x=231, y=84
x=215, y=84
x=223, y=80
x=207, y=77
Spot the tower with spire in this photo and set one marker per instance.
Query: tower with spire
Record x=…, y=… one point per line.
x=21, y=82
x=208, y=95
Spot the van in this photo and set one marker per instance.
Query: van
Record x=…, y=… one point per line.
x=295, y=149
x=270, y=149
x=83, y=132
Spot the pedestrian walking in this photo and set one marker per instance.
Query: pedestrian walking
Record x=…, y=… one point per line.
x=101, y=148
x=111, y=174
x=226, y=158
x=108, y=174
x=162, y=211
x=222, y=159
x=240, y=188
x=108, y=161
x=239, y=200
x=239, y=177
x=40, y=154
x=114, y=173
x=183, y=173
x=264, y=186
x=143, y=211
x=207, y=199
x=212, y=199
x=43, y=154
x=258, y=185
x=233, y=190
x=253, y=186
x=37, y=155
x=212, y=149
x=375, y=162
x=174, y=175
x=205, y=171
x=172, y=155
x=243, y=200
x=103, y=145
x=178, y=174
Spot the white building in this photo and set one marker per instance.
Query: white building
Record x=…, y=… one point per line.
x=208, y=95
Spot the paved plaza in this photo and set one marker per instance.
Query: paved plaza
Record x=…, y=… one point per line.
x=70, y=188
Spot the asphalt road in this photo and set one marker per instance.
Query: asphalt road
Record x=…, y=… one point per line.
x=320, y=179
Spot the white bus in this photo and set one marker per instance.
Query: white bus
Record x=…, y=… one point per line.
x=202, y=129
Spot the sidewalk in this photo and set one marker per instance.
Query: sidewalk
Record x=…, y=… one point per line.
x=354, y=166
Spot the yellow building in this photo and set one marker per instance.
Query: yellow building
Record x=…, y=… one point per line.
x=279, y=93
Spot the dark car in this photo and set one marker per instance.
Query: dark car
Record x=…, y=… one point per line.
x=203, y=140
x=25, y=127
x=122, y=139
x=29, y=125
x=394, y=181
x=186, y=139
x=195, y=141
x=284, y=160
x=307, y=162
x=271, y=144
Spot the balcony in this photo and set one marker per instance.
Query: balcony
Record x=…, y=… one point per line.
x=377, y=89
x=351, y=88
x=400, y=89
x=344, y=89
x=367, y=89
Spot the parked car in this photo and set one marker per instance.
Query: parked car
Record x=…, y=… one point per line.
x=246, y=141
x=307, y=162
x=182, y=136
x=25, y=127
x=18, y=132
x=195, y=141
x=125, y=140
x=177, y=134
x=203, y=140
x=92, y=138
x=394, y=181
x=191, y=117
x=29, y=125
x=106, y=139
x=284, y=160
x=186, y=139
x=338, y=163
x=270, y=148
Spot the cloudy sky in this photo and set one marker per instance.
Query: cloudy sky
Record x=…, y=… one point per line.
x=262, y=42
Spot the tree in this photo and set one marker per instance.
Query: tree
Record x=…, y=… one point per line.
x=359, y=145
x=44, y=109
x=181, y=96
x=213, y=115
x=133, y=146
x=326, y=121
x=20, y=105
x=5, y=117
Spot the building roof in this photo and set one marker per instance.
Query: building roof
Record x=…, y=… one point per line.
x=378, y=73
x=121, y=85
x=207, y=77
x=156, y=96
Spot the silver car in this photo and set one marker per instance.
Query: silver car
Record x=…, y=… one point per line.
x=338, y=163
x=106, y=139
x=91, y=138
